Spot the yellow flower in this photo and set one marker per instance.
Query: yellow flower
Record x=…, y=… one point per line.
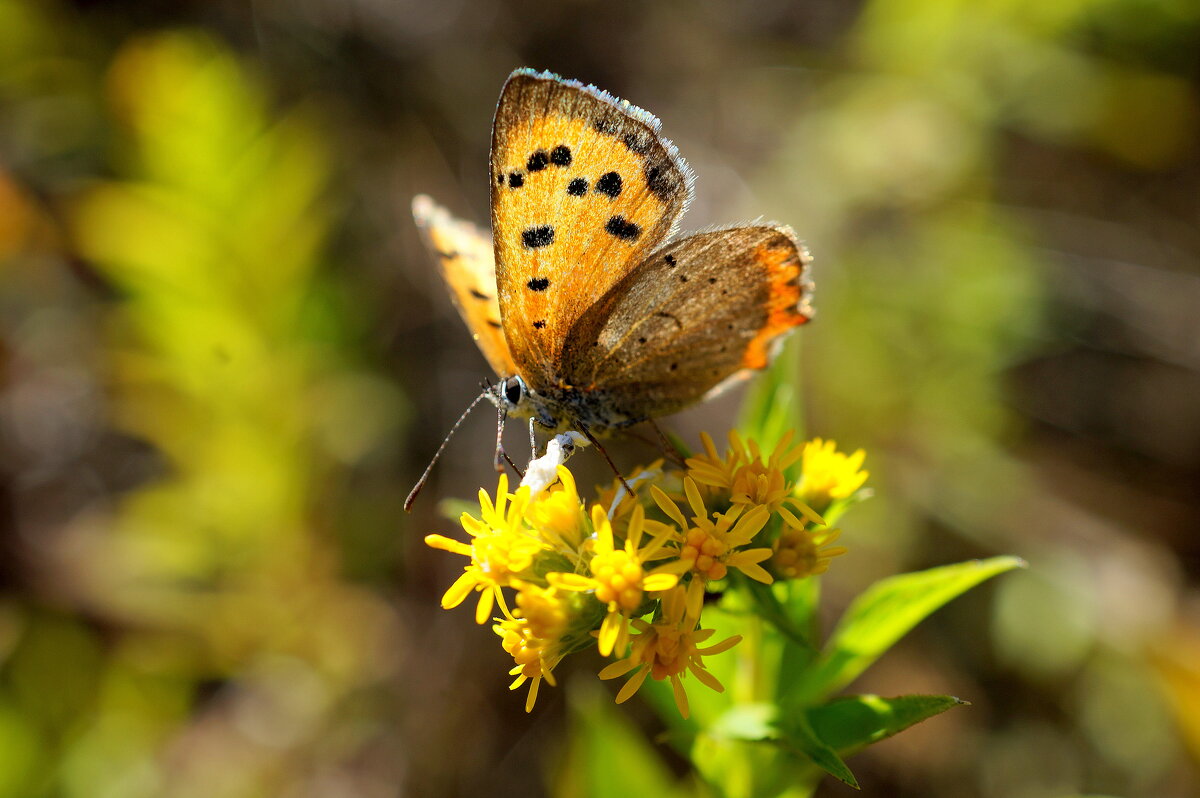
x=803, y=552
x=531, y=656
x=558, y=514
x=827, y=474
x=532, y=635
x=618, y=579
x=745, y=479
x=542, y=610
x=709, y=547
x=710, y=469
x=501, y=549
x=667, y=650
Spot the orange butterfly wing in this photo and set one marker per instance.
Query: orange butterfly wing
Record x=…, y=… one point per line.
x=467, y=262
x=582, y=187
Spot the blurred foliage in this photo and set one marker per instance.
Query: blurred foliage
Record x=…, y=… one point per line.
x=217, y=329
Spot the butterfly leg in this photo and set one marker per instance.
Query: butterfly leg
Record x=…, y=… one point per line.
x=668, y=447
x=501, y=416
x=587, y=433
x=533, y=449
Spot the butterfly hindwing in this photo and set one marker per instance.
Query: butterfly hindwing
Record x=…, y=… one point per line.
x=467, y=262
x=582, y=186
x=692, y=315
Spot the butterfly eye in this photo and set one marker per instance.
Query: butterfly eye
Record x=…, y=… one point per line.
x=514, y=390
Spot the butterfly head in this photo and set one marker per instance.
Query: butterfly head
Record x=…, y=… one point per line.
x=515, y=398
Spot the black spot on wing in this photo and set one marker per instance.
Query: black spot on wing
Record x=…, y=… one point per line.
x=561, y=155
x=539, y=324
x=516, y=179
x=538, y=284
x=537, y=161
x=609, y=184
x=622, y=228
x=638, y=141
x=671, y=260
x=535, y=237
x=662, y=178
x=608, y=124
x=577, y=187
x=500, y=179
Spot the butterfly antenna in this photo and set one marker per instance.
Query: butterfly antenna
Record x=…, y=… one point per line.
x=587, y=433
x=412, y=496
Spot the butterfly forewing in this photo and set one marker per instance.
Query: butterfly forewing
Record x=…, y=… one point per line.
x=689, y=317
x=582, y=187
x=467, y=261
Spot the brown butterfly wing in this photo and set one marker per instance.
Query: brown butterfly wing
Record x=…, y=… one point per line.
x=702, y=310
x=467, y=262
x=582, y=187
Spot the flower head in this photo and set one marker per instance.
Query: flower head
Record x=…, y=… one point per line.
x=710, y=546
x=558, y=514
x=800, y=552
x=669, y=649
x=602, y=573
x=501, y=549
x=618, y=579
x=828, y=475
x=532, y=663
x=745, y=478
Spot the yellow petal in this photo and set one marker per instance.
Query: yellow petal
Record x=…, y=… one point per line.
x=680, y=696
x=693, y=497
x=660, y=581
x=667, y=506
x=756, y=573
x=571, y=581
x=447, y=544
x=720, y=648
x=619, y=668
x=483, y=610
x=532, y=697
x=458, y=591
x=706, y=678
x=630, y=687
x=610, y=631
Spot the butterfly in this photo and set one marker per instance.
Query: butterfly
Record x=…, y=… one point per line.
x=591, y=314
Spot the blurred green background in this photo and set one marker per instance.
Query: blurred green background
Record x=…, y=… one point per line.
x=225, y=356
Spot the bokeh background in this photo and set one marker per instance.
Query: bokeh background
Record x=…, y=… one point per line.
x=225, y=357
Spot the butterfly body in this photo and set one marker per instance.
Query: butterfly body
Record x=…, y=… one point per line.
x=593, y=317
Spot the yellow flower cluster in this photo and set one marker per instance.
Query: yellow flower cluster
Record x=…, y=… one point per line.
x=629, y=573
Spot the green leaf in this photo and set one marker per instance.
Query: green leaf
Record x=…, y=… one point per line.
x=848, y=724
x=802, y=736
x=885, y=613
x=608, y=756
x=755, y=721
